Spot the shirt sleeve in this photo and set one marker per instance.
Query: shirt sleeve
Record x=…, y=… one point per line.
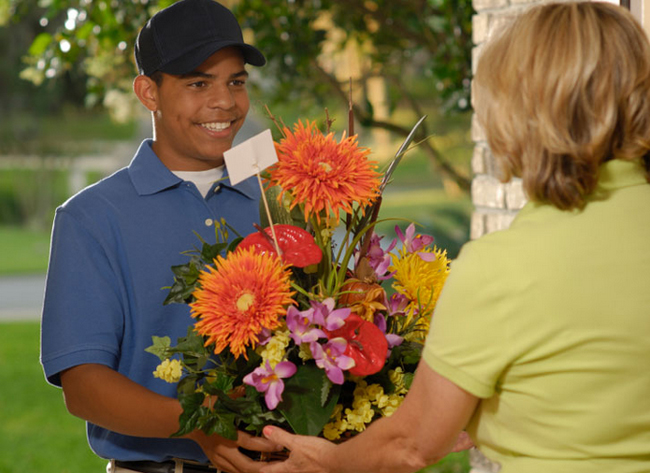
x=466, y=340
x=83, y=316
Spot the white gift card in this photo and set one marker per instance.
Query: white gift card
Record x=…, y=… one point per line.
x=250, y=157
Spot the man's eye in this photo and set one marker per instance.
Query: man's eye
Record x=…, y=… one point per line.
x=238, y=82
x=198, y=84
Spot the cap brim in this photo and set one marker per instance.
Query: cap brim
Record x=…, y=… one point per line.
x=193, y=59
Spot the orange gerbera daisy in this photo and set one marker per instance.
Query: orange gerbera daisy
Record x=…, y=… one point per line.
x=322, y=175
x=246, y=293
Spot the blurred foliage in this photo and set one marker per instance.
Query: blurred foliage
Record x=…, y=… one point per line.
x=401, y=42
x=398, y=40
x=43, y=117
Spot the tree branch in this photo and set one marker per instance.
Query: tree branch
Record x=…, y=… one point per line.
x=367, y=120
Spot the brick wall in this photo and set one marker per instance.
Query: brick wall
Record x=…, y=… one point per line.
x=495, y=203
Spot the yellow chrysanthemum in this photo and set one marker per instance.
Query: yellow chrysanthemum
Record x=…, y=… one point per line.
x=357, y=419
x=396, y=377
x=245, y=293
x=374, y=392
x=421, y=282
x=394, y=401
x=169, y=370
x=331, y=431
x=337, y=425
x=322, y=175
x=304, y=352
x=275, y=349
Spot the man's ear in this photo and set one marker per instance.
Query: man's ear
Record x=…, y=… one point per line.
x=147, y=92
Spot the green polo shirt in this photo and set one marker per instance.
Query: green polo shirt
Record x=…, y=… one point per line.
x=549, y=323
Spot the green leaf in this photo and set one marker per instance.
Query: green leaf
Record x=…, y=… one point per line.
x=193, y=410
x=210, y=252
x=192, y=347
x=85, y=31
x=408, y=352
x=301, y=400
x=247, y=409
x=325, y=391
x=160, y=347
x=408, y=380
x=184, y=270
x=233, y=244
x=223, y=383
x=40, y=44
x=187, y=386
x=191, y=343
x=221, y=423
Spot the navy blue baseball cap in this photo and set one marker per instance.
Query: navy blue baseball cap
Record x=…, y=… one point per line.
x=181, y=37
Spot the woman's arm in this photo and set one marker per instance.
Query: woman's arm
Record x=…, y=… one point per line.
x=423, y=430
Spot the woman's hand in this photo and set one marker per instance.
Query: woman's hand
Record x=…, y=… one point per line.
x=463, y=442
x=402, y=443
x=308, y=454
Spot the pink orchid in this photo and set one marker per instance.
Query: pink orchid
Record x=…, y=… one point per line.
x=301, y=325
x=392, y=339
x=331, y=358
x=264, y=336
x=326, y=316
x=397, y=304
x=378, y=258
x=269, y=380
x=414, y=243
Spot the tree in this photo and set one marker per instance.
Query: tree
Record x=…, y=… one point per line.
x=419, y=49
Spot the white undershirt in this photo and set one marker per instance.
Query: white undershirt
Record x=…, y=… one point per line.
x=203, y=180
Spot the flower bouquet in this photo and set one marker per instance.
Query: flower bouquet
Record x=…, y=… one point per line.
x=311, y=323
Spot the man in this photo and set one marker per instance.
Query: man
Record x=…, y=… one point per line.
x=113, y=245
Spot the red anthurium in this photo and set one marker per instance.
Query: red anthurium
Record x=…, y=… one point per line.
x=297, y=246
x=367, y=345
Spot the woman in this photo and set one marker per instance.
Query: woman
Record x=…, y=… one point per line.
x=540, y=343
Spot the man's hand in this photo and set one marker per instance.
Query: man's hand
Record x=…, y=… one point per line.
x=225, y=455
x=104, y=397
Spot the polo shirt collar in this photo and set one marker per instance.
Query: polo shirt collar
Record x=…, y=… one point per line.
x=150, y=176
x=618, y=173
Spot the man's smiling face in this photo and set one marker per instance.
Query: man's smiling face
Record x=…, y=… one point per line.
x=198, y=114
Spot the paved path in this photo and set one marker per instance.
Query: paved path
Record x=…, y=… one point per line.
x=21, y=297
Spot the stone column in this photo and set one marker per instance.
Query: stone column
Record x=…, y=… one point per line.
x=495, y=203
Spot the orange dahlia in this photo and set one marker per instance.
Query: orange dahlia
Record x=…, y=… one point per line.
x=244, y=294
x=322, y=175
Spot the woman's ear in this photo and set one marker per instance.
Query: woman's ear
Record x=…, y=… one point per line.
x=147, y=92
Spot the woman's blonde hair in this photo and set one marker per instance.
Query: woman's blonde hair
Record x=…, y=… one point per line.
x=564, y=88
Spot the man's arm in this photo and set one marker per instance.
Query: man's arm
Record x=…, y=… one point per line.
x=104, y=397
x=424, y=429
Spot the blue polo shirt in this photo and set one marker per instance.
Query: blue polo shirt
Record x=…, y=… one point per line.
x=113, y=245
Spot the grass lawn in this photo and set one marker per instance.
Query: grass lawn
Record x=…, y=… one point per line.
x=434, y=212
x=23, y=250
x=36, y=432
